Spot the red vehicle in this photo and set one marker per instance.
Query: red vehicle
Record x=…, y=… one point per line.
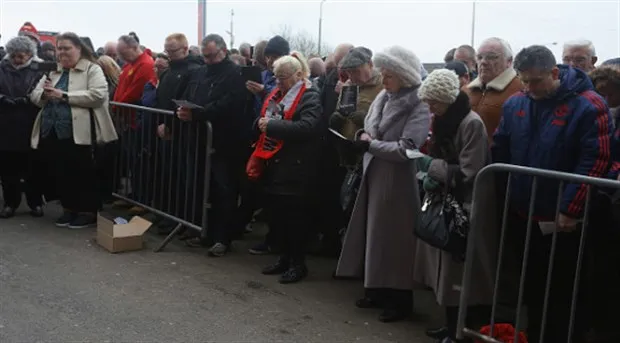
x=50, y=36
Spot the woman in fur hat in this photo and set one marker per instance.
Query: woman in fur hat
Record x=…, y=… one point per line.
x=379, y=245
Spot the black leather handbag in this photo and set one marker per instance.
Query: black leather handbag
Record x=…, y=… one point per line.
x=444, y=224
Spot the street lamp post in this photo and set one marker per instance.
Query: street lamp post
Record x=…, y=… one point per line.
x=473, y=22
x=320, y=25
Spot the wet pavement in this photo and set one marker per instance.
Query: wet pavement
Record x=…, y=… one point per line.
x=58, y=285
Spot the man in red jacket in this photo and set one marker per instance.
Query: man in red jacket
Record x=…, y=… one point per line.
x=137, y=71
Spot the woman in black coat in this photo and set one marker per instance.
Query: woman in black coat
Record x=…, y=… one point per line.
x=286, y=159
x=19, y=73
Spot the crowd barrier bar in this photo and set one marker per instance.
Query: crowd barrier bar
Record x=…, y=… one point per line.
x=485, y=176
x=163, y=180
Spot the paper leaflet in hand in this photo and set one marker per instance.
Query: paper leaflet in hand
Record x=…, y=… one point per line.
x=187, y=104
x=338, y=134
x=413, y=154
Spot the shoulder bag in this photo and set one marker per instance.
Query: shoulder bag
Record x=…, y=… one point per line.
x=444, y=224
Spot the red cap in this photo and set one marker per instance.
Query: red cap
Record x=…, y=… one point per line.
x=29, y=29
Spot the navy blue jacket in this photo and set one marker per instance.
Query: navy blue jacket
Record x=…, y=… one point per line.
x=570, y=132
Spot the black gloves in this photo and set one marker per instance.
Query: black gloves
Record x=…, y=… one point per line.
x=14, y=101
x=7, y=101
x=361, y=146
x=22, y=101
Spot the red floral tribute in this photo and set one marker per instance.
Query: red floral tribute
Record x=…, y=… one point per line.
x=503, y=333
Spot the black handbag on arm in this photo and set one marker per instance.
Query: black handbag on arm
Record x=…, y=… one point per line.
x=444, y=224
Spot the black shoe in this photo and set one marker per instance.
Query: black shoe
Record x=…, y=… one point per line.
x=294, y=274
x=279, y=267
x=366, y=303
x=390, y=316
x=7, y=212
x=37, y=212
x=438, y=333
x=83, y=221
x=66, y=218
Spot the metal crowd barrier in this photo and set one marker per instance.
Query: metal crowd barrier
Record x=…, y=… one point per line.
x=168, y=176
x=485, y=176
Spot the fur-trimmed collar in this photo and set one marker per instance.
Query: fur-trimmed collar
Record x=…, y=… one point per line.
x=499, y=83
x=380, y=118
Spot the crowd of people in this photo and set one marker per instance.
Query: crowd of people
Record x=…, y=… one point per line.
x=303, y=147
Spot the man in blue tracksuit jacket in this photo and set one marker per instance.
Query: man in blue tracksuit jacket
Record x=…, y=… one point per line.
x=558, y=123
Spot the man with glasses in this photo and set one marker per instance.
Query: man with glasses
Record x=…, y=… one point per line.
x=495, y=83
x=219, y=89
x=579, y=54
x=172, y=85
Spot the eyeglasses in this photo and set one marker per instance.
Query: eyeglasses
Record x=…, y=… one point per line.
x=489, y=57
x=172, y=51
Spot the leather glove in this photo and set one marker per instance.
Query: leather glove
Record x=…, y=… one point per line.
x=7, y=101
x=361, y=146
x=423, y=163
x=430, y=185
x=21, y=101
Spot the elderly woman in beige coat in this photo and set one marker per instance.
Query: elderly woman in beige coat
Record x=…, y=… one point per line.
x=459, y=140
x=379, y=244
x=74, y=102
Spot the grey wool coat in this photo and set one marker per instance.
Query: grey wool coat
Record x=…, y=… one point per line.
x=379, y=243
x=437, y=269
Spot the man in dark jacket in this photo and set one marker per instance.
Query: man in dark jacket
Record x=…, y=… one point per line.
x=330, y=218
x=557, y=123
x=172, y=85
x=220, y=89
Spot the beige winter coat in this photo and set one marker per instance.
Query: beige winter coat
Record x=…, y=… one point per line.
x=87, y=89
x=437, y=269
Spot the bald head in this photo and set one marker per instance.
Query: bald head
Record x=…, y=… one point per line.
x=317, y=66
x=341, y=51
x=109, y=49
x=329, y=63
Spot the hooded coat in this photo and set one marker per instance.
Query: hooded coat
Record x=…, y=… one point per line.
x=569, y=132
x=16, y=121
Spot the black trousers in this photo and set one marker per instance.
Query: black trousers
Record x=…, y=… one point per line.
x=73, y=175
x=289, y=222
x=224, y=193
x=15, y=166
x=562, y=278
x=391, y=299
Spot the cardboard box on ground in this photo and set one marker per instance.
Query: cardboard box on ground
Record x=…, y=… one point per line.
x=119, y=235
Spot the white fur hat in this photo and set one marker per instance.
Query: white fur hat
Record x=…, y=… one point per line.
x=402, y=62
x=441, y=85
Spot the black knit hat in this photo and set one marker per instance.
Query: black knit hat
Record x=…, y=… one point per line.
x=277, y=46
x=458, y=67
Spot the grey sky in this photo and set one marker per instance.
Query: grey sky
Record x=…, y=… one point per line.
x=429, y=28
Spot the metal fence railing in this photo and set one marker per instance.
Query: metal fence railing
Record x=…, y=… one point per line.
x=166, y=173
x=486, y=175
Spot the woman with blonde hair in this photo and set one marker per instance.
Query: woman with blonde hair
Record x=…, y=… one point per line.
x=112, y=72
x=285, y=160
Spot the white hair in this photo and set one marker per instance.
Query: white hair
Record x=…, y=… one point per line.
x=21, y=44
x=402, y=62
x=581, y=43
x=295, y=62
x=507, y=50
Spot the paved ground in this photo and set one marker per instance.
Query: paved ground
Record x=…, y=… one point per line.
x=57, y=285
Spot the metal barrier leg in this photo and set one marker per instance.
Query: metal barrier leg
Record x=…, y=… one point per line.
x=169, y=238
x=526, y=252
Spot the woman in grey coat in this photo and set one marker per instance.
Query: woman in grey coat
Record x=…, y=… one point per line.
x=379, y=244
x=459, y=139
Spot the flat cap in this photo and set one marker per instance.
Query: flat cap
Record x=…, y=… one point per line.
x=356, y=57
